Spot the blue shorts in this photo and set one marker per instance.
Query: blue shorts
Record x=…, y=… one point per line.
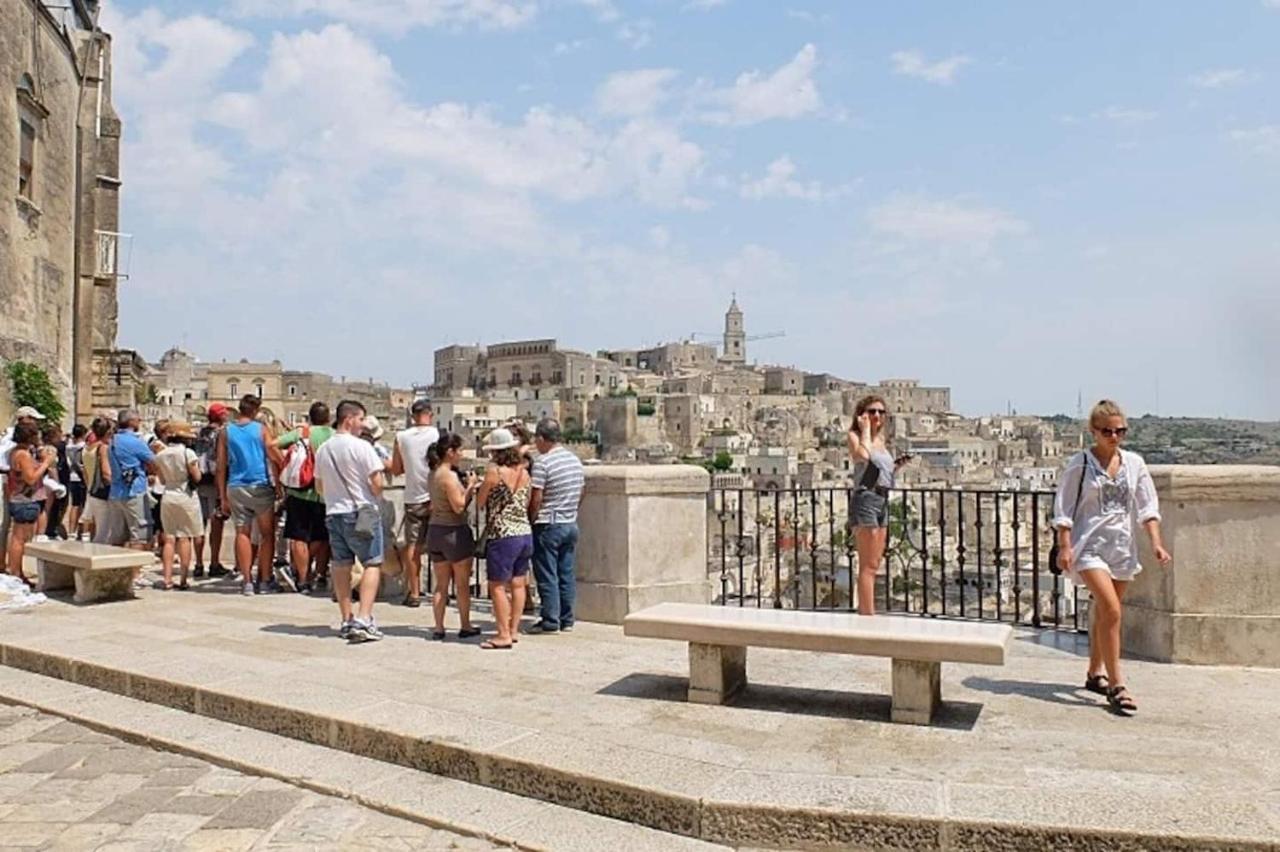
x=507, y=558
x=347, y=547
x=24, y=513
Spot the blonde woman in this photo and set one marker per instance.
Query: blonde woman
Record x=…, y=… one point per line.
x=873, y=472
x=1104, y=495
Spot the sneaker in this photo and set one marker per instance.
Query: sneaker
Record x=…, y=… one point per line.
x=566, y=628
x=271, y=587
x=541, y=627
x=363, y=631
x=249, y=590
x=304, y=589
x=344, y=632
x=285, y=577
x=198, y=573
x=218, y=570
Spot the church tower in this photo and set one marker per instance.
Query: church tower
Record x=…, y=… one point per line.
x=735, y=336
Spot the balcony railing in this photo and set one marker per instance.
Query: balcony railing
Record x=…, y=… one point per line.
x=972, y=554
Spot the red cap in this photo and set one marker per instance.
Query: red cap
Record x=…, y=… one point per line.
x=217, y=411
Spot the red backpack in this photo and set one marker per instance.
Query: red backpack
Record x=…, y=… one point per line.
x=300, y=463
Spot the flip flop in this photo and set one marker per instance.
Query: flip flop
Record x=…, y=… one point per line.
x=1097, y=683
x=490, y=645
x=1121, y=701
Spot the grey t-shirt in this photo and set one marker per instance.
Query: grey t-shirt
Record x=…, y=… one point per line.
x=883, y=460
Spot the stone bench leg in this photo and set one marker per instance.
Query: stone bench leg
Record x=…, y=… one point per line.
x=51, y=575
x=917, y=691
x=103, y=583
x=716, y=672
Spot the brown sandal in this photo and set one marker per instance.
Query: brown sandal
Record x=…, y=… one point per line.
x=1097, y=683
x=1121, y=701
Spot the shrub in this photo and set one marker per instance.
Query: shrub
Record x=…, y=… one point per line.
x=31, y=386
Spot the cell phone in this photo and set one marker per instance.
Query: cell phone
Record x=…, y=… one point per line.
x=903, y=459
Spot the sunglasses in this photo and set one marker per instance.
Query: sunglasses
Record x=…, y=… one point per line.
x=877, y=411
x=1114, y=433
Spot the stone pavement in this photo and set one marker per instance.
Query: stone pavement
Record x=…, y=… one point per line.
x=1019, y=755
x=64, y=786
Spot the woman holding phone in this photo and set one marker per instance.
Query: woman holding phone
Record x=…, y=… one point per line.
x=1104, y=494
x=873, y=472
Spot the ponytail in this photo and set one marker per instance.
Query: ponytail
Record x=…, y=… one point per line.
x=437, y=451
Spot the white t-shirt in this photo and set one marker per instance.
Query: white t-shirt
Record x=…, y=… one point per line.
x=413, y=443
x=6, y=447
x=344, y=464
x=171, y=467
x=1104, y=522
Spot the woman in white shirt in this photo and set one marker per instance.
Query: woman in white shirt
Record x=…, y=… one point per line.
x=178, y=472
x=1104, y=494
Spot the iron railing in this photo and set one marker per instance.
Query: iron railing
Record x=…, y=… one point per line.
x=950, y=553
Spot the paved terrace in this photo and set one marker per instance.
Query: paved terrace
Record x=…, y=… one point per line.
x=1019, y=758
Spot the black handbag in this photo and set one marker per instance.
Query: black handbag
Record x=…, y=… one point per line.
x=1054, y=550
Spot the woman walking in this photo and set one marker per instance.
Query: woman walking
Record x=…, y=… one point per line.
x=178, y=469
x=25, y=492
x=1104, y=494
x=873, y=472
x=505, y=496
x=450, y=542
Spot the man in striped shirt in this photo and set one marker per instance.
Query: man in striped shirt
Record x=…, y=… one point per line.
x=553, y=509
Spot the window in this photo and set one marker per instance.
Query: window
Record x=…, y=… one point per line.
x=29, y=115
x=293, y=390
x=233, y=389
x=257, y=388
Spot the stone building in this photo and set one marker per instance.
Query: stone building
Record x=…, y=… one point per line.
x=530, y=369
x=59, y=157
x=669, y=359
x=735, y=336
x=783, y=380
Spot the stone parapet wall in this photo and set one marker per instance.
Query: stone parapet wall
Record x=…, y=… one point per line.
x=1219, y=603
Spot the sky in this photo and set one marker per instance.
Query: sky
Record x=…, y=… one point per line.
x=1027, y=202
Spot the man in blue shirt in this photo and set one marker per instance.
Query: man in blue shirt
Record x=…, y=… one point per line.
x=131, y=459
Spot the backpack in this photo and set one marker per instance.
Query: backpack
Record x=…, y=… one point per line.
x=206, y=448
x=300, y=464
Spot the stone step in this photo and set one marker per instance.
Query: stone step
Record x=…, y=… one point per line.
x=432, y=800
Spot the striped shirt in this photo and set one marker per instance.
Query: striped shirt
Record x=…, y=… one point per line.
x=558, y=474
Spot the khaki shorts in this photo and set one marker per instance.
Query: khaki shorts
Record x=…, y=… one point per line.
x=128, y=521
x=417, y=517
x=250, y=501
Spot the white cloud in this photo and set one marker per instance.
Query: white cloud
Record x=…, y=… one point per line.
x=1261, y=140
x=918, y=218
x=637, y=33
x=1271, y=4
x=779, y=181
x=911, y=63
x=1218, y=78
x=788, y=92
x=637, y=92
x=1125, y=115
x=703, y=5
x=399, y=15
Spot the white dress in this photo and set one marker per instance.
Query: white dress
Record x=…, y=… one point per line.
x=1105, y=522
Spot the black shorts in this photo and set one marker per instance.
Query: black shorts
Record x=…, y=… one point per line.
x=304, y=520
x=78, y=494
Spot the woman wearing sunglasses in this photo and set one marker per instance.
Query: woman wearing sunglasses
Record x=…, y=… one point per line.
x=1104, y=494
x=873, y=472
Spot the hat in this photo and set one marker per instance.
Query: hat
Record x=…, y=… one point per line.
x=27, y=411
x=374, y=427
x=179, y=429
x=217, y=410
x=500, y=439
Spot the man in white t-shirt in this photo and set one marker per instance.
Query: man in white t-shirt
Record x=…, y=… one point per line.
x=349, y=477
x=410, y=460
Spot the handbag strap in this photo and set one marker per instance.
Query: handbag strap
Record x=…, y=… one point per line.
x=1084, y=469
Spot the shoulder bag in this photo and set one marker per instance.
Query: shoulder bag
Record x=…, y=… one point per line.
x=1053, y=548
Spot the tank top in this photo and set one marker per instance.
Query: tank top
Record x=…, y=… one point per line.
x=883, y=460
x=246, y=455
x=507, y=512
x=442, y=513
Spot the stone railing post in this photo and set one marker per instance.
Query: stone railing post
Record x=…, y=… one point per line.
x=1219, y=603
x=642, y=539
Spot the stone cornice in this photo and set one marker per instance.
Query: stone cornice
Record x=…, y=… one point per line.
x=1218, y=483
x=660, y=479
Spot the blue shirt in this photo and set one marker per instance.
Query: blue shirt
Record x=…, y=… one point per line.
x=129, y=456
x=246, y=455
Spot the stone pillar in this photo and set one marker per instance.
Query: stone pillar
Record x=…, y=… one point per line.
x=643, y=539
x=1219, y=602
x=716, y=672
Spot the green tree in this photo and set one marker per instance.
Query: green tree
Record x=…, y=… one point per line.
x=31, y=386
x=723, y=461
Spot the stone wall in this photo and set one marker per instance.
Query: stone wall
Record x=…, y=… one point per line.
x=1219, y=602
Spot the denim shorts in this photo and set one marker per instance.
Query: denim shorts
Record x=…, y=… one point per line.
x=508, y=557
x=347, y=547
x=24, y=512
x=870, y=509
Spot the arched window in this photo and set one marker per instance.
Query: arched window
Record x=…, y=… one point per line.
x=233, y=388
x=30, y=114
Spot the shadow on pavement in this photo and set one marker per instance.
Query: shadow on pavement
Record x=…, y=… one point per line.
x=1054, y=693
x=828, y=703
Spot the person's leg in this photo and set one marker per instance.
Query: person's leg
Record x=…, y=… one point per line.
x=462, y=587
x=320, y=553
x=868, y=563
x=342, y=589
x=217, y=528
x=499, y=595
x=566, y=575
x=184, y=555
x=518, y=589
x=300, y=558
x=266, y=521
x=544, y=571
x=244, y=552
x=166, y=561
x=442, y=572
x=18, y=537
x=368, y=591
x=413, y=569
x=1106, y=621
x=5, y=525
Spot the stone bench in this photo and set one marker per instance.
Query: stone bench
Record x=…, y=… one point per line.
x=719, y=636
x=97, y=571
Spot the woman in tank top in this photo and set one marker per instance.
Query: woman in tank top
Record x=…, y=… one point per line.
x=450, y=542
x=873, y=475
x=505, y=496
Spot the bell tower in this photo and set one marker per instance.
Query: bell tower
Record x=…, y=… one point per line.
x=735, y=336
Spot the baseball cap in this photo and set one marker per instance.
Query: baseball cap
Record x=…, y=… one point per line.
x=217, y=409
x=27, y=411
x=420, y=406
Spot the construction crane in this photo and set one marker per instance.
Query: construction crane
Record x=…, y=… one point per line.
x=768, y=335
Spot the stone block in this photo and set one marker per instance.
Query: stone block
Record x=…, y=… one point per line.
x=101, y=584
x=716, y=672
x=917, y=691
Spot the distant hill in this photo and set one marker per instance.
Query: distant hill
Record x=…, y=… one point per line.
x=1202, y=440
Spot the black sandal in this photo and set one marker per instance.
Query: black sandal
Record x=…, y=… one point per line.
x=469, y=632
x=1097, y=683
x=1121, y=701
x=438, y=635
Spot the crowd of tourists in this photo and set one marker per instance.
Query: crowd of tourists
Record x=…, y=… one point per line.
x=318, y=491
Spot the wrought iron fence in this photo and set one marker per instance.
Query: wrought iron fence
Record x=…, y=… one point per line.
x=952, y=553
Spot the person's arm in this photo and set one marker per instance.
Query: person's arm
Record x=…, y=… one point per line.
x=457, y=495
x=221, y=473
x=104, y=462
x=1065, y=503
x=859, y=439
x=397, y=462
x=491, y=479
x=149, y=462
x=275, y=457
x=1147, y=503
x=539, y=482
x=31, y=471
x=193, y=466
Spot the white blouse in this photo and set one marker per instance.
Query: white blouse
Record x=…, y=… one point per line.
x=1104, y=523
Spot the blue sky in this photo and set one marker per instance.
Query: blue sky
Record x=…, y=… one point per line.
x=1021, y=201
